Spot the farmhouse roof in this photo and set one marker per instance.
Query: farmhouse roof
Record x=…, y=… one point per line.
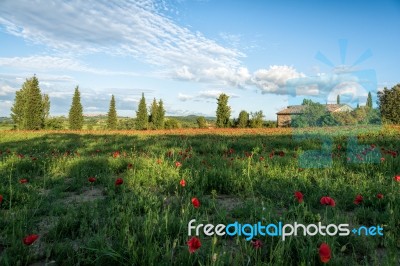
x=299, y=109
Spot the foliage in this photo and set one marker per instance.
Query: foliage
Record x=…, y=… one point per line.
x=201, y=122
x=369, y=100
x=388, y=101
x=243, y=119
x=160, y=115
x=223, y=111
x=257, y=119
x=55, y=123
x=75, y=116
x=172, y=123
x=112, y=120
x=30, y=108
x=141, y=122
x=338, y=99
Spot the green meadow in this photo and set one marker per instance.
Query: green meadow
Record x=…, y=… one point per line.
x=244, y=176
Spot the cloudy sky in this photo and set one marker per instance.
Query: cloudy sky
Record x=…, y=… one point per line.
x=264, y=54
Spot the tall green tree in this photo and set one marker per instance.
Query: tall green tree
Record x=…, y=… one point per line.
x=112, y=120
x=243, y=119
x=338, y=99
x=369, y=101
x=388, y=101
x=75, y=116
x=30, y=108
x=223, y=111
x=141, y=115
x=161, y=115
x=153, y=118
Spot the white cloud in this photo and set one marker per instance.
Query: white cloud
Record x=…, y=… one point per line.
x=42, y=63
x=274, y=79
x=207, y=94
x=214, y=94
x=6, y=90
x=184, y=97
x=129, y=28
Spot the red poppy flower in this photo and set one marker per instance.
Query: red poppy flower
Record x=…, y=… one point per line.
x=194, y=244
x=178, y=164
x=397, y=178
x=119, y=181
x=1, y=199
x=182, y=183
x=379, y=196
x=382, y=159
x=324, y=253
x=256, y=243
x=327, y=201
x=116, y=154
x=92, y=179
x=299, y=196
x=28, y=240
x=358, y=199
x=23, y=181
x=196, y=202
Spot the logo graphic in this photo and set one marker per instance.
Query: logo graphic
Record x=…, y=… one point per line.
x=345, y=89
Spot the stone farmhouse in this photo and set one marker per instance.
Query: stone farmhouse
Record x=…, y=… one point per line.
x=284, y=117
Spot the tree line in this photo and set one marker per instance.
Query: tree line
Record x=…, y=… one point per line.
x=31, y=109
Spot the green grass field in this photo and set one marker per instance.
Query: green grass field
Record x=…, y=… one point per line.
x=246, y=176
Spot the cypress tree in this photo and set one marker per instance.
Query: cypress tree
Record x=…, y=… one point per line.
x=141, y=115
x=338, y=99
x=153, y=119
x=223, y=111
x=18, y=109
x=76, y=112
x=30, y=108
x=369, y=101
x=112, y=115
x=161, y=115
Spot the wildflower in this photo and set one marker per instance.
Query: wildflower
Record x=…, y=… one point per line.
x=358, y=199
x=397, y=178
x=178, y=164
x=182, y=183
x=194, y=244
x=256, y=243
x=299, y=196
x=324, y=253
x=92, y=179
x=28, y=240
x=119, y=181
x=379, y=196
x=195, y=202
x=130, y=166
x=23, y=181
x=327, y=201
x=1, y=199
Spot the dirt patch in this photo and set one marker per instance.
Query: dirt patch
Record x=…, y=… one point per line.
x=86, y=195
x=228, y=202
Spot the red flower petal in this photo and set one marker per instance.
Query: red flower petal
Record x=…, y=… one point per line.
x=324, y=253
x=119, y=181
x=194, y=244
x=196, y=202
x=28, y=240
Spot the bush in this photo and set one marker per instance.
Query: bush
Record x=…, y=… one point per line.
x=172, y=124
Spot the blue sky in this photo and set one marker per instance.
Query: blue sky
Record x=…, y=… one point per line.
x=264, y=54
